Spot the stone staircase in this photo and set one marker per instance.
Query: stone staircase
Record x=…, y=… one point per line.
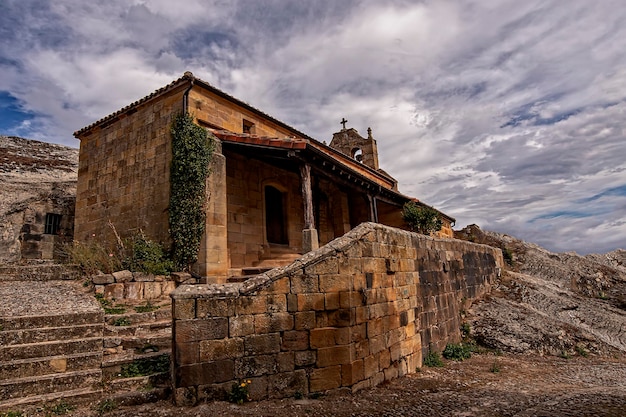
x=137, y=347
x=51, y=336
x=279, y=255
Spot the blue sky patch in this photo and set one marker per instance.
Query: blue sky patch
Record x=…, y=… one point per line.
x=11, y=115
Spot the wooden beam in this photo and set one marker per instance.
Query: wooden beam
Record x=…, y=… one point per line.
x=307, y=196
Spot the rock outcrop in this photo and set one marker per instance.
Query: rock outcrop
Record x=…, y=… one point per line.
x=553, y=303
x=36, y=178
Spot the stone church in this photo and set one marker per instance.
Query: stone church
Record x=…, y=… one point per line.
x=273, y=191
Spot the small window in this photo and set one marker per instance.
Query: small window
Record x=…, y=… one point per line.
x=248, y=126
x=53, y=221
x=357, y=154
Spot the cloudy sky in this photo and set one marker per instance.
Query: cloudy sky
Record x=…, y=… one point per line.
x=505, y=113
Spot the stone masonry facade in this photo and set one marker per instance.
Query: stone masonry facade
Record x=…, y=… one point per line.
x=360, y=310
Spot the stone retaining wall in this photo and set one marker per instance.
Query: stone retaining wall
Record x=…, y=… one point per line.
x=361, y=310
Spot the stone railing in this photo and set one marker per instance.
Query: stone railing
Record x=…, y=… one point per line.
x=360, y=310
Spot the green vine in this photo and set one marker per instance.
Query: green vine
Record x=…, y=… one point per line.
x=191, y=154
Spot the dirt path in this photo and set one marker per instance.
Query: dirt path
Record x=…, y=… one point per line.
x=525, y=385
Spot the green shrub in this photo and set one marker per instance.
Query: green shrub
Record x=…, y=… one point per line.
x=507, y=254
x=144, y=255
x=239, y=392
x=60, y=408
x=148, y=308
x=12, y=414
x=433, y=360
x=495, y=367
x=146, y=366
x=122, y=321
x=458, y=351
x=421, y=219
x=105, y=406
x=581, y=351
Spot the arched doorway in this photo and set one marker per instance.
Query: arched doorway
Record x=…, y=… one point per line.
x=275, y=216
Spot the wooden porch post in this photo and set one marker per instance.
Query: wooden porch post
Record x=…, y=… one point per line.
x=373, y=208
x=310, y=240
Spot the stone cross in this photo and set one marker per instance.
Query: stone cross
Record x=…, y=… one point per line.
x=343, y=122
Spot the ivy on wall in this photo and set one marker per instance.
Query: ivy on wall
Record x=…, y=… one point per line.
x=192, y=149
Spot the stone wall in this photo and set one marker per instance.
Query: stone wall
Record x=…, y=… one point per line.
x=356, y=312
x=123, y=173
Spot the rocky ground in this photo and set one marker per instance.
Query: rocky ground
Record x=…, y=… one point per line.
x=485, y=385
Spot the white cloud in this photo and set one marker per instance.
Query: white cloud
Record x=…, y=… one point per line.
x=504, y=113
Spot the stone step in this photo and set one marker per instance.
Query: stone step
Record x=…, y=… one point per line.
x=40, y=272
x=58, y=320
x=136, y=383
x=52, y=348
x=38, y=385
x=162, y=314
x=254, y=270
x=37, y=335
x=139, y=329
x=115, y=366
x=24, y=368
x=71, y=396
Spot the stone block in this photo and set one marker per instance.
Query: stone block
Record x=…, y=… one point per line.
x=214, y=350
x=349, y=299
x=332, y=301
x=335, y=283
x=184, y=308
x=133, y=290
x=114, y=291
x=257, y=389
x=352, y=372
x=327, y=266
x=305, y=320
x=285, y=362
x=287, y=384
x=204, y=373
x=276, y=303
x=273, y=322
x=187, y=353
x=343, y=317
x=251, y=305
x=151, y=290
x=215, y=307
x=305, y=358
x=257, y=365
x=280, y=286
x=334, y=355
x=180, y=277
x=99, y=289
x=123, y=276
x=241, y=325
x=167, y=287
x=143, y=277
x=295, y=340
x=304, y=284
x=325, y=378
x=102, y=279
x=370, y=365
x=200, y=329
x=292, y=303
x=311, y=301
x=262, y=344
